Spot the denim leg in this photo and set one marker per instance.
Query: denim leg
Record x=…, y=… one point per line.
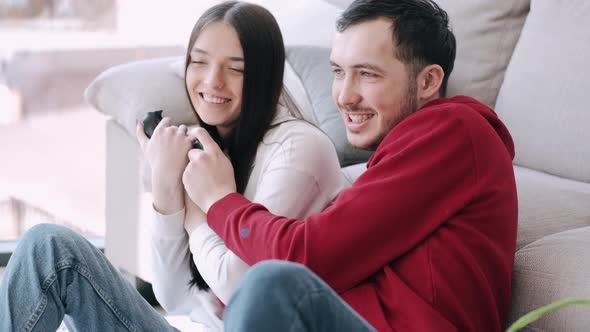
x=55, y=272
x=284, y=296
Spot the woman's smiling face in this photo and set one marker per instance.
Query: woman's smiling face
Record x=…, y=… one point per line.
x=215, y=76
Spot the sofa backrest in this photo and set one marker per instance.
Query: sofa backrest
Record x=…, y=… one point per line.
x=543, y=99
x=486, y=33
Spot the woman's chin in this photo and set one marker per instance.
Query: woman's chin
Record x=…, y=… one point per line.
x=210, y=120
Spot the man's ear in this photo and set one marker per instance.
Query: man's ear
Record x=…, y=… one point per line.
x=429, y=83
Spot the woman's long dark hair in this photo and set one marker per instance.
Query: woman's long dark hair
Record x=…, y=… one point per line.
x=264, y=62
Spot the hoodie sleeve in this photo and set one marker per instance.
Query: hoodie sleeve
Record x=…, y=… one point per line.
x=421, y=175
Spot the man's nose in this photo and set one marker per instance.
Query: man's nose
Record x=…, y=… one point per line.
x=349, y=95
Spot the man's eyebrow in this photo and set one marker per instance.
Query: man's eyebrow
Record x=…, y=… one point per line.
x=365, y=65
x=369, y=66
x=231, y=58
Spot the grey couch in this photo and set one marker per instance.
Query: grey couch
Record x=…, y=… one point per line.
x=527, y=59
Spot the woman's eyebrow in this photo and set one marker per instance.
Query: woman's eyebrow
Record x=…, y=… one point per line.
x=231, y=58
x=198, y=50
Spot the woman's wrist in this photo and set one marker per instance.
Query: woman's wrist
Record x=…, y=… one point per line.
x=165, y=179
x=167, y=206
x=168, y=198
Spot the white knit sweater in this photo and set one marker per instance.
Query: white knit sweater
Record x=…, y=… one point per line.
x=296, y=173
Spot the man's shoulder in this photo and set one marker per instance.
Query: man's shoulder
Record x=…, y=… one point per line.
x=454, y=120
x=447, y=119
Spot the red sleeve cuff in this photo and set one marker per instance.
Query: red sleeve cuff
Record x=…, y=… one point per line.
x=221, y=210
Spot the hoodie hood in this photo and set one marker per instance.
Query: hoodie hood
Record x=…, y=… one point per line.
x=486, y=112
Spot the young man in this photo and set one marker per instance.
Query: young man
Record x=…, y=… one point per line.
x=424, y=240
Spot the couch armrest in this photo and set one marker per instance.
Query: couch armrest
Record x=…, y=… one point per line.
x=127, y=206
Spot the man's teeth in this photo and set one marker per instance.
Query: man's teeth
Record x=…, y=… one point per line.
x=358, y=118
x=214, y=99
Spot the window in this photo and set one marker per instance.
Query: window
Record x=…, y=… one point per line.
x=51, y=142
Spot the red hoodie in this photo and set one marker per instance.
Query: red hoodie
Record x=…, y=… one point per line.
x=424, y=240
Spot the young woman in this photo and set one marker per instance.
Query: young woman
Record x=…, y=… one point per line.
x=234, y=76
x=234, y=73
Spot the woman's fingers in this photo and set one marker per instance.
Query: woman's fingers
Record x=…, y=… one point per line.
x=206, y=140
x=141, y=136
x=165, y=123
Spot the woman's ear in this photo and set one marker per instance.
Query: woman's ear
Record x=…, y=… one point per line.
x=429, y=83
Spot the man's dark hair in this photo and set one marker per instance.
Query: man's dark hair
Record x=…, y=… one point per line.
x=420, y=31
x=264, y=61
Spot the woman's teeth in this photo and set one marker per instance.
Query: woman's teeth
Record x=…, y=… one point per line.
x=358, y=118
x=214, y=99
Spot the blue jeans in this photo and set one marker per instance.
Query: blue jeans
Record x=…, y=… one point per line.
x=55, y=273
x=283, y=296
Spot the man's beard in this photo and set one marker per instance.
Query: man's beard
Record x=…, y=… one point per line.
x=407, y=107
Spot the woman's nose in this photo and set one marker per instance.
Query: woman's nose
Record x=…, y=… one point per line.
x=214, y=78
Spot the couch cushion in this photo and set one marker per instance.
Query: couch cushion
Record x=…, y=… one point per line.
x=551, y=269
x=543, y=99
x=126, y=92
x=486, y=32
x=311, y=64
x=548, y=204
x=351, y=173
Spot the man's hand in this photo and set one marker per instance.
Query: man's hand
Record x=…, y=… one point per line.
x=209, y=175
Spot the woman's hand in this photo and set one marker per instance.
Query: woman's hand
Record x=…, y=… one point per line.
x=166, y=152
x=209, y=175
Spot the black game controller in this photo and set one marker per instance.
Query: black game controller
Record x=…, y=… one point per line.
x=150, y=122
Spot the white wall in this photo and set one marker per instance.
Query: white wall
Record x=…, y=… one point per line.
x=302, y=26
x=171, y=22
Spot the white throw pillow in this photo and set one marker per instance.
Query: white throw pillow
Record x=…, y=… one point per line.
x=543, y=100
x=127, y=92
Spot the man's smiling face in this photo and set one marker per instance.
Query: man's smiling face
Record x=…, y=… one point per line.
x=372, y=87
